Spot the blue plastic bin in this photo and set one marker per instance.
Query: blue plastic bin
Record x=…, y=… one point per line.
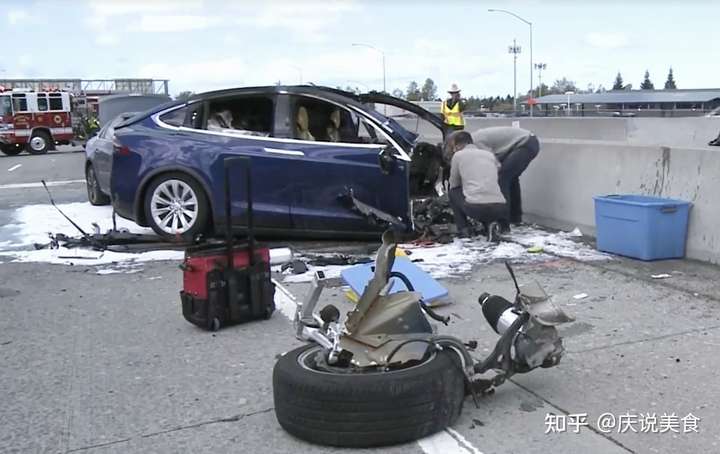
x=642, y=227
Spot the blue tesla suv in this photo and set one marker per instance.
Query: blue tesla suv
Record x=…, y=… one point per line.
x=323, y=163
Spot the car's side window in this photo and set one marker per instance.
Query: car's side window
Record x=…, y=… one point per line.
x=175, y=117
x=322, y=121
x=247, y=115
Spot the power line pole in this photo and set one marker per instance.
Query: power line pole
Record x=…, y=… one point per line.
x=515, y=50
x=540, y=68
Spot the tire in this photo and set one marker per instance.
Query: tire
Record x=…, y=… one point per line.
x=95, y=194
x=192, y=216
x=11, y=150
x=367, y=409
x=39, y=143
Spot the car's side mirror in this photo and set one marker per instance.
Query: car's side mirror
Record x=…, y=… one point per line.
x=387, y=160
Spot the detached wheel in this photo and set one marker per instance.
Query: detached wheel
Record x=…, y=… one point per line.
x=11, y=150
x=366, y=409
x=176, y=207
x=95, y=195
x=39, y=143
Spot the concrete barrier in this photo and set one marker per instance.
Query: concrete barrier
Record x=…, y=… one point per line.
x=584, y=157
x=559, y=184
x=688, y=131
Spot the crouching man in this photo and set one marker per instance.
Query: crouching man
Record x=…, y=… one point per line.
x=474, y=188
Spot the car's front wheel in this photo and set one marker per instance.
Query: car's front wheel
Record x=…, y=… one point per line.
x=176, y=207
x=95, y=195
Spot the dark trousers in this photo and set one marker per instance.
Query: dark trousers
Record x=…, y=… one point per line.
x=484, y=213
x=453, y=128
x=514, y=164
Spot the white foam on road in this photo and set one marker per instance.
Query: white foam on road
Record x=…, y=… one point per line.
x=32, y=223
x=459, y=257
x=39, y=185
x=77, y=256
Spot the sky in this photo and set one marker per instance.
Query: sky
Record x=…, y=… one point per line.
x=204, y=45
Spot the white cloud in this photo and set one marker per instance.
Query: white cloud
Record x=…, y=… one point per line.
x=15, y=17
x=142, y=15
x=606, y=40
x=200, y=75
x=177, y=23
x=109, y=8
x=308, y=20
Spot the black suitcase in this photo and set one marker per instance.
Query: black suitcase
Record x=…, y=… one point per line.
x=226, y=283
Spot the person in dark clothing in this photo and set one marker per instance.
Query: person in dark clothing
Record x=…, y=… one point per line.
x=474, y=190
x=515, y=148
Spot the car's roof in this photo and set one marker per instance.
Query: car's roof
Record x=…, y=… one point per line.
x=331, y=94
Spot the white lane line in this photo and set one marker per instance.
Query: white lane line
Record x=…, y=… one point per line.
x=16, y=166
x=39, y=185
x=448, y=441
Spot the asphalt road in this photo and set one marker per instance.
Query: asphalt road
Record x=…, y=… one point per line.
x=105, y=363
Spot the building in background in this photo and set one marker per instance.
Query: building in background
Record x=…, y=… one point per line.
x=631, y=103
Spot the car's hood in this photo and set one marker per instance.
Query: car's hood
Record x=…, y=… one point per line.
x=381, y=98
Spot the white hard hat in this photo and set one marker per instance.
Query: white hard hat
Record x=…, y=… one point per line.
x=454, y=89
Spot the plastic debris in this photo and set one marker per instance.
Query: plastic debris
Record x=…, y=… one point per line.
x=660, y=276
x=580, y=296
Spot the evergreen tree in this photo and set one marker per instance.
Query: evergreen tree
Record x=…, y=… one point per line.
x=670, y=82
x=647, y=84
x=618, y=85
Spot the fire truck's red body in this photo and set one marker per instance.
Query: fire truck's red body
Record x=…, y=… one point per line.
x=35, y=121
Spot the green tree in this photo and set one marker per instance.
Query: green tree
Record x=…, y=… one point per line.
x=618, y=85
x=646, y=83
x=413, y=92
x=561, y=86
x=429, y=90
x=670, y=82
x=184, y=95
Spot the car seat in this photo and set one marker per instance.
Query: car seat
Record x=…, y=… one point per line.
x=302, y=122
x=220, y=120
x=333, y=129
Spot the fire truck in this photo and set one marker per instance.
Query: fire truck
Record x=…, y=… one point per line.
x=34, y=121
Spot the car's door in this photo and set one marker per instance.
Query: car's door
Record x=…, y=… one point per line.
x=323, y=173
x=238, y=125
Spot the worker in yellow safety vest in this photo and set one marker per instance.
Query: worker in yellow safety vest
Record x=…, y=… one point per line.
x=452, y=110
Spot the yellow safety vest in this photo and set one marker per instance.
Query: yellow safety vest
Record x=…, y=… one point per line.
x=453, y=117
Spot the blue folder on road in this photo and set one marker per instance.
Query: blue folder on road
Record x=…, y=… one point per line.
x=357, y=277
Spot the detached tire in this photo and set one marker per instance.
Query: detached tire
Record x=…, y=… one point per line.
x=366, y=409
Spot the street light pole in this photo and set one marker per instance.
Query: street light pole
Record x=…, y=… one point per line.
x=568, y=93
x=531, y=45
x=515, y=50
x=383, y=61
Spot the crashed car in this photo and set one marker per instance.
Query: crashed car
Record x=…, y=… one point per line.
x=324, y=163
